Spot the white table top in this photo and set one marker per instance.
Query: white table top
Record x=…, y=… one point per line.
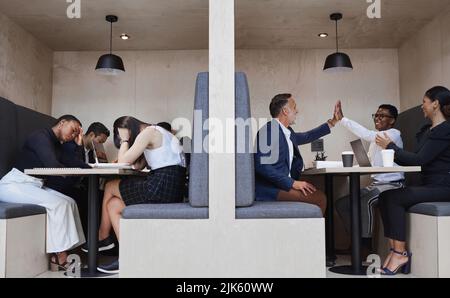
x=80, y=172
x=361, y=170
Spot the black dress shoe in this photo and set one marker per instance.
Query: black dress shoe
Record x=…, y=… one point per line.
x=105, y=244
x=111, y=268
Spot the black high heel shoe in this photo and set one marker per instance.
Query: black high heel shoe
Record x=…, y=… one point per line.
x=405, y=267
x=55, y=265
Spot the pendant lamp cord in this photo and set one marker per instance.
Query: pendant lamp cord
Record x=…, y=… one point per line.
x=110, y=40
x=337, y=46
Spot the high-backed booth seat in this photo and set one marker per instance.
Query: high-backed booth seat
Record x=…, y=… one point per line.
x=208, y=249
x=22, y=226
x=428, y=234
x=197, y=207
x=245, y=169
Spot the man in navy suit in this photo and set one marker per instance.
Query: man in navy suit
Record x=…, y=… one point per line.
x=278, y=163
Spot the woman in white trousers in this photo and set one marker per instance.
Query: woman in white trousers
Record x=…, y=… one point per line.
x=64, y=230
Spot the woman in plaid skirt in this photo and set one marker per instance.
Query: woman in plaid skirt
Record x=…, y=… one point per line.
x=142, y=145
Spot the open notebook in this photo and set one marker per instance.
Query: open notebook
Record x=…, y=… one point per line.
x=99, y=165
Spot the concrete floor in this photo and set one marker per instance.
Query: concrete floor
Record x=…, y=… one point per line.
x=342, y=260
x=345, y=260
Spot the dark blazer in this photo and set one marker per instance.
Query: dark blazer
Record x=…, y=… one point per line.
x=272, y=158
x=432, y=154
x=42, y=149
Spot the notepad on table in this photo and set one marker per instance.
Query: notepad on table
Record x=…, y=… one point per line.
x=327, y=164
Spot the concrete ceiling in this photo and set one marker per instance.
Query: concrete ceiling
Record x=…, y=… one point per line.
x=183, y=24
x=296, y=23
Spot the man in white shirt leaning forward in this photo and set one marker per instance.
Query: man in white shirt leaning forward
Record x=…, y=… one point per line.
x=384, y=120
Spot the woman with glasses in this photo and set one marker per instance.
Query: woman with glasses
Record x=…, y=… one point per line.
x=384, y=120
x=433, y=155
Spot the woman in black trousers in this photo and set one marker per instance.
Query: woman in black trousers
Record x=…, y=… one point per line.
x=433, y=155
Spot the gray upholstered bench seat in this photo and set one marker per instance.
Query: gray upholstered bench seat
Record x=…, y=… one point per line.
x=278, y=210
x=433, y=209
x=13, y=210
x=165, y=211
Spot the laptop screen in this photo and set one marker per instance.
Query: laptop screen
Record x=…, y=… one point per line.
x=360, y=153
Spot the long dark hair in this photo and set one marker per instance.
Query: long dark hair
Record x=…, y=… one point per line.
x=132, y=124
x=442, y=95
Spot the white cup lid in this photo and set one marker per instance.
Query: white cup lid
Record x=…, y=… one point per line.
x=347, y=153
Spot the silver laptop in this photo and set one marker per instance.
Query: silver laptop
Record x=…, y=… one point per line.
x=360, y=153
x=97, y=164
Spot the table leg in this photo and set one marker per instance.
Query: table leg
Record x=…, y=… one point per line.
x=355, y=205
x=93, y=223
x=93, y=208
x=329, y=222
x=356, y=222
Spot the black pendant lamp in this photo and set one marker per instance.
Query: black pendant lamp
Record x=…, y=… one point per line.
x=337, y=61
x=110, y=64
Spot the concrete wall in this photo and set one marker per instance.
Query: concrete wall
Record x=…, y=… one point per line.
x=424, y=61
x=373, y=81
x=25, y=68
x=159, y=85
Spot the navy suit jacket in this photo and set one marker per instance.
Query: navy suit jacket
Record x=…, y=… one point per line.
x=272, y=158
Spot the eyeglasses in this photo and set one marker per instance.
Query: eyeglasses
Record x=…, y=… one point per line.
x=381, y=116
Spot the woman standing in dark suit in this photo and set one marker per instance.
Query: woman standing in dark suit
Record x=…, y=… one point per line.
x=433, y=155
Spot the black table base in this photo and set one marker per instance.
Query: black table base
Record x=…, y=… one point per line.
x=349, y=270
x=356, y=267
x=329, y=222
x=92, y=240
x=85, y=273
x=355, y=213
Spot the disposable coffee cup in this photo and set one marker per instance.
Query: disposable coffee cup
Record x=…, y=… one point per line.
x=347, y=159
x=388, y=157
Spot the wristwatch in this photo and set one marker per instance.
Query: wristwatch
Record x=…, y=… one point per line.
x=123, y=141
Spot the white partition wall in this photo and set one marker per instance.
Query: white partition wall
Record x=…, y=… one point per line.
x=221, y=110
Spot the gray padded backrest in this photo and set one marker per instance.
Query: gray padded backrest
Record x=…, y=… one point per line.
x=409, y=123
x=198, y=169
x=245, y=173
x=29, y=121
x=8, y=132
x=16, y=123
x=244, y=167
